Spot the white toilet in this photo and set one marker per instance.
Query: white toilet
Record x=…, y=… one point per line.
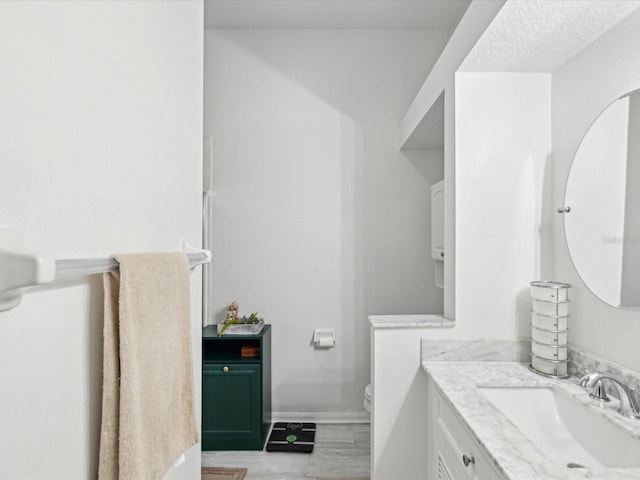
x=367, y=398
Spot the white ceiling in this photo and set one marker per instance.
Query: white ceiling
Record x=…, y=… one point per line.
x=328, y=14
x=542, y=35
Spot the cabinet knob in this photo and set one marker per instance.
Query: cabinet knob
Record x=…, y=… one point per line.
x=467, y=460
x=442, y=254
x=225, y=369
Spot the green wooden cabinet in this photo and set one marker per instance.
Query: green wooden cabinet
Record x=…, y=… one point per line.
x=236, y=391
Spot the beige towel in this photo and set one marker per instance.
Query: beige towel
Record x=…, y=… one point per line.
x=148, y=416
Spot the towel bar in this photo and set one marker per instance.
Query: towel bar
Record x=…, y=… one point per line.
x=86, y=266
x=21, y=268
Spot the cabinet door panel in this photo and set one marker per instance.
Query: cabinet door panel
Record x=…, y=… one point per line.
x=451, y=442
x=231, y=401
x=444, y=472
x=449, y=455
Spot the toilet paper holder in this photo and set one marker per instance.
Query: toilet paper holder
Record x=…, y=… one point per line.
x=324, y=337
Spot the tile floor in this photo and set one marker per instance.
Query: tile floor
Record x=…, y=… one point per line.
x=341, y=452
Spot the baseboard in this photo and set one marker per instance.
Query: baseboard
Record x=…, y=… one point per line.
x=321, y=417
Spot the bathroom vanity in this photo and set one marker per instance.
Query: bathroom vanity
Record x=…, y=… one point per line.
x=496, y=420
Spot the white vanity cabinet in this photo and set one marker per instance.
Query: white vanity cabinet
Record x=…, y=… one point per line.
x=452, y=453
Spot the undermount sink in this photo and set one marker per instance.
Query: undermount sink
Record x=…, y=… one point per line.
x=568, y=433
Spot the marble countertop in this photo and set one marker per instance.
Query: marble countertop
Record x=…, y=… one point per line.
x=457, y=376
x=410, y=321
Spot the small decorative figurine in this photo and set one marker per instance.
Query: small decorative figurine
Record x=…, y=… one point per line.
x=232, y=311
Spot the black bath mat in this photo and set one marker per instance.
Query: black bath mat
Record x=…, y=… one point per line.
x=292, y=437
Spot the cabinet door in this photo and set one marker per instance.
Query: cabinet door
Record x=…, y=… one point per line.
x=232, y=406
x=443, y=470
x=447, y=455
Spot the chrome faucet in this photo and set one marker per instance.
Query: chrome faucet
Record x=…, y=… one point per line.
x=593, y=383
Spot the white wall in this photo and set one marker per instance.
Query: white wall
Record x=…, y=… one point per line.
x=318, y=219
x=100, y=153
x=474, y=22
x=581, y=89
x=502, y=146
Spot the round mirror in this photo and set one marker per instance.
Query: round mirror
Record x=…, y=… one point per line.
x=602, y=205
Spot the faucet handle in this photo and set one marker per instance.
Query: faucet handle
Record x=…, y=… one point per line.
x=599, y=392
x=587, y=380
x=592, y=383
